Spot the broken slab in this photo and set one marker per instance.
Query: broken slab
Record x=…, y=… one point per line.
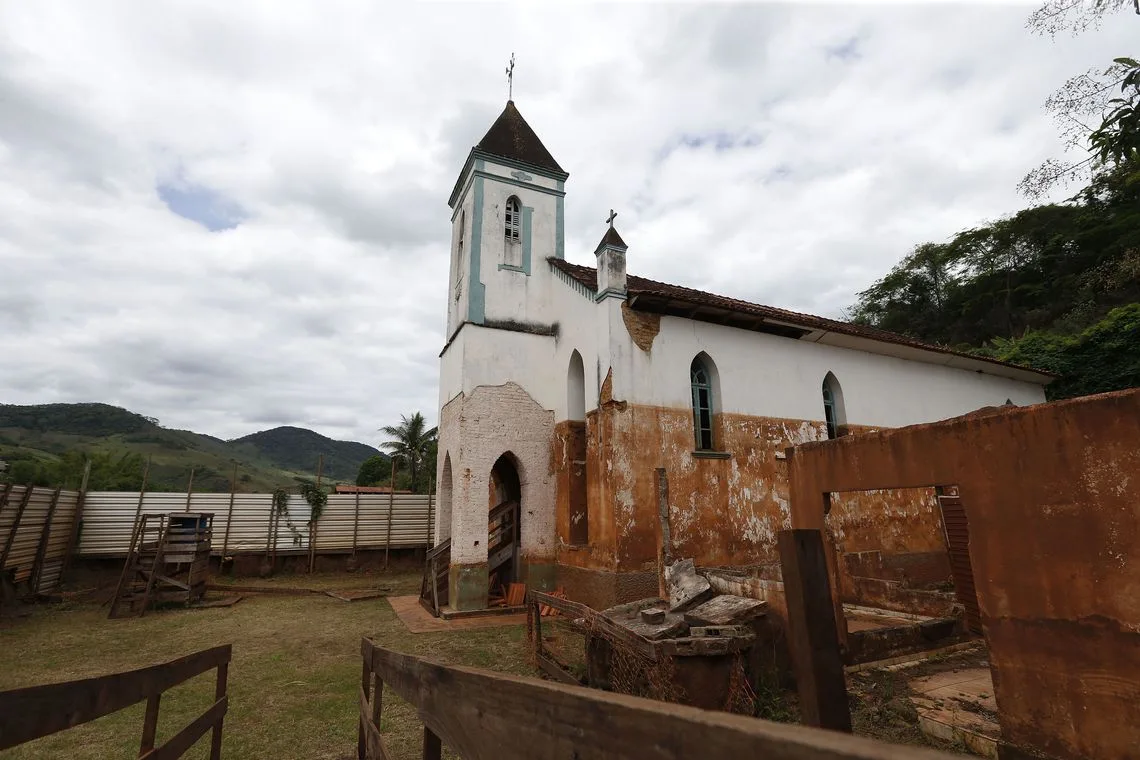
x=726, y=609
x=721, y=631
x=629, y=616
x=686, y=587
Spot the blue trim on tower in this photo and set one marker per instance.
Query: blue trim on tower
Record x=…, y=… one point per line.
x=476, y=290
x=560, y=226
x=527, y=214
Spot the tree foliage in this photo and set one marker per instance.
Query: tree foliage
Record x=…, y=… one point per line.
x=1049, y=287
x=412, y=444
x=110, y=471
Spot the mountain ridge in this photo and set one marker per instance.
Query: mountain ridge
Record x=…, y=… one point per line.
x=38, y=438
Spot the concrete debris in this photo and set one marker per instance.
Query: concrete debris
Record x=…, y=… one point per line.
x=686, y=587
x=726, y=609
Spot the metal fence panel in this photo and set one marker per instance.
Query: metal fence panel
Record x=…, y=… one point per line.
x=109, y=516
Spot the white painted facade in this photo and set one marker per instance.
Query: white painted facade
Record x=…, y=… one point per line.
x=514, y=321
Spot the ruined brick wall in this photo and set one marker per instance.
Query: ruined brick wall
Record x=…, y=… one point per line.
x=891, y=550
x=1050, y=494
x=475, y=430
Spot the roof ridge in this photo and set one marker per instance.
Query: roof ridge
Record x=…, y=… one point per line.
x=588, y=276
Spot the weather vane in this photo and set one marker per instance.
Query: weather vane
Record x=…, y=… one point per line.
x=511, y=78
x=611, y=217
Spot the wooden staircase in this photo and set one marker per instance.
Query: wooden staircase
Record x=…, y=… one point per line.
x=168, y=562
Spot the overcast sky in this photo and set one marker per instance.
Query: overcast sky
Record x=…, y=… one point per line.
x=233, y=215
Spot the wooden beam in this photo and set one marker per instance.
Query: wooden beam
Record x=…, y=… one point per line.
x=41, y=549
x=36, y=711
x=480, y=714
x=812, y=633
x=76, y=523
x=177, y=745
x=15, y=525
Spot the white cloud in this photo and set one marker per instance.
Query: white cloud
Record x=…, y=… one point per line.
x=785, y=154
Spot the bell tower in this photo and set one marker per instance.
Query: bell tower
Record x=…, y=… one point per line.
x=497, y=496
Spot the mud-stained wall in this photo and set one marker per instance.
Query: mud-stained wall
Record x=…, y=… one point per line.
x=568, y=458
x=1050, y=494
x=890, y=544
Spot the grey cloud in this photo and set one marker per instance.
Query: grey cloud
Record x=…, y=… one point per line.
x=339, y=134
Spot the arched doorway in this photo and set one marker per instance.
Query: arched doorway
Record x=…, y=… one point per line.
x=446, y=489
x=503, y=525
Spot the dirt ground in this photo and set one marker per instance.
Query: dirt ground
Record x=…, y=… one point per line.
x=296, y=666
x=292, y=683
x=880, y=698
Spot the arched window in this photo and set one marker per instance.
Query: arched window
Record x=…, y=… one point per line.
x=512, y=219
x=576, y=388
x=833, y=412
x=701, y=377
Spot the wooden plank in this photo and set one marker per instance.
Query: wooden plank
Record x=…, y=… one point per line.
x=600, y=622
x=433, y=750
x=556, y=670
x=36, y=711
x=219, y=694
x=41, y=549
x=374, y=747
x=178, y=744
x=15, y=525
x=812, y=633
x=494, y=716
x=150, y=724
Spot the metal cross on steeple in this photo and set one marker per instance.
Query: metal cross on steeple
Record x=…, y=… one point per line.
x=511, y=78
x=610, y=218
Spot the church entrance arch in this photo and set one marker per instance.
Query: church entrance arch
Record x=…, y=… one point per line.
x=503, y=535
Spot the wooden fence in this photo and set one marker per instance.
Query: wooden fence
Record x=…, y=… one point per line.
x=37, y=711
x=493, y=716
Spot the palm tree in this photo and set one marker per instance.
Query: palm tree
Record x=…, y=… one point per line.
x=411, y=442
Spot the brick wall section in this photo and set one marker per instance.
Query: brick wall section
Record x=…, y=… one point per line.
x=475, y=430
x=642, y=326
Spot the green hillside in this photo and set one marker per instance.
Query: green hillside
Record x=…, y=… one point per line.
x=298, y=449
x=47, y=444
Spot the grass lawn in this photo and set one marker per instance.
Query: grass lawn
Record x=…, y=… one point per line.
x=292, y=683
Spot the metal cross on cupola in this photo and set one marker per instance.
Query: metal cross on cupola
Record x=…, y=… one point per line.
x=511, y=79
x=611, y=217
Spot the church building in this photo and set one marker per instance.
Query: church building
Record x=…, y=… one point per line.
x=565, y=388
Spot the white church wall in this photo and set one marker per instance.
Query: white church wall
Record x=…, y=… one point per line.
x=769, y=376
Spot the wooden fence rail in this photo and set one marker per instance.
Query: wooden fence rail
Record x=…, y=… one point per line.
x=493, y=716
x=37, y=711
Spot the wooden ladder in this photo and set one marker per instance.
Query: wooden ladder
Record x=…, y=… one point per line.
x=144, y=561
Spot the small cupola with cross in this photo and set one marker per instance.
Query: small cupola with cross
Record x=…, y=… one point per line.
x=611, y=262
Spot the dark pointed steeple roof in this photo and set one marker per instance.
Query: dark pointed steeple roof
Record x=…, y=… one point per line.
x=511, y=137
x=611, y=238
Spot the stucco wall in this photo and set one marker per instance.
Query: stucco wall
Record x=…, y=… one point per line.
x=770, y=376
x=1050, y=494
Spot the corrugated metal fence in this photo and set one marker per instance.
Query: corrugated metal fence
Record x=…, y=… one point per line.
x=36, y=526
x=242, y=521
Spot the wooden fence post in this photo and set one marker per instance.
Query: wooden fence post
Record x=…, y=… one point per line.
x=433, y=750
x=41, y=550
x=76, y=523
x=150, y=724
x=365, y=683
x=391, y=497
x=812, y=631
x=15, y=525
x=189, y=489
x=219, y=694
x=229, y=516
x=313, y=520
x=355, y=522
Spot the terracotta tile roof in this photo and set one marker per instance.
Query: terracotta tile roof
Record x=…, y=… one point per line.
x=646, y=290
x=511, y=137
